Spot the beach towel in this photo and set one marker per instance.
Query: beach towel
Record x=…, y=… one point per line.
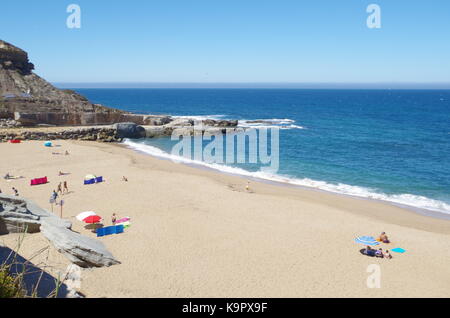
x=123, y=220
x=92, y=181
x=366, y=240
x=15, y=141
x=398, y=250
x=119, y=229
x=100, y=232
x=110, y=230
x=126, y=224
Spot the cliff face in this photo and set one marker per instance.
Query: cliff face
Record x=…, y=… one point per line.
x=23, y=91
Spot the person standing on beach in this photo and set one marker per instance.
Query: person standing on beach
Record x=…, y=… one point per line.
x=16, y=193
x=60, y=188
x=65, y=188
x=114, y=219
x=248, y=186
x=54, y=195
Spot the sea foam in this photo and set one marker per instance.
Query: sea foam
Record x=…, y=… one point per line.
x=411, y=200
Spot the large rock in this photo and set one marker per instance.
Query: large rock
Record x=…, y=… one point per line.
x=80, y=250
x=18, y=214
x=16, y=218
x=130, y=130
x=22, y=91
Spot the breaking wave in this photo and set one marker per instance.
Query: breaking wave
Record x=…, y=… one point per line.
x=411, y=200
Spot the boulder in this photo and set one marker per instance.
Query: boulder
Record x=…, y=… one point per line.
x=80, y=250
x=130, y=130
x=18, y=214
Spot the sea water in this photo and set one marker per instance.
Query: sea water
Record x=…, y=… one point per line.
x=391, y=145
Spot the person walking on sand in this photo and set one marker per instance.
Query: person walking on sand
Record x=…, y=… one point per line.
x=247, y=187
x=60, y=188
x=65, y=188
x=54, y=195
x=114, y=219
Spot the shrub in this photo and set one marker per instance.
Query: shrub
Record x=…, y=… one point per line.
x=10, y=286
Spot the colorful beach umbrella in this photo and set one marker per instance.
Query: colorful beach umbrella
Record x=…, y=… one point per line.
x=366, y=240
x=92, y=219
x=83, y=215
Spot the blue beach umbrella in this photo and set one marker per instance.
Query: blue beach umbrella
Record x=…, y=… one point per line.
x=366, y=240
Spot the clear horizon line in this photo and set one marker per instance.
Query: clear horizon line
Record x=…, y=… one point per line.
x=304, y=85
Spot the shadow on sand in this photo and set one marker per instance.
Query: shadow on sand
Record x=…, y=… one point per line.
x=35, y=279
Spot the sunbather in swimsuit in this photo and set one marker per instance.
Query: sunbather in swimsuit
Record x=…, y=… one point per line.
x=383, y=238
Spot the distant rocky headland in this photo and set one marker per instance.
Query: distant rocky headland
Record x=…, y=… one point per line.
x=27, y=100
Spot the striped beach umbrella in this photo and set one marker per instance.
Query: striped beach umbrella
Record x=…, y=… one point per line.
x=83, y=215
x=366, y=240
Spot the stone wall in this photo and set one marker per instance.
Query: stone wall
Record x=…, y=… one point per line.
x=102, y=134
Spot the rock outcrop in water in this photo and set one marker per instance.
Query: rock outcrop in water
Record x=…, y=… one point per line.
x=18, y=215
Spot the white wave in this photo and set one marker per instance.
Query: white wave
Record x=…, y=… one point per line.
x=202, y=117
x=269, y=123
x=416, y=201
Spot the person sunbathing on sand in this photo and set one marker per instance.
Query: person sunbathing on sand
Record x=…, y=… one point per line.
x=383, y=238
x=369, y=251
x=379, y=253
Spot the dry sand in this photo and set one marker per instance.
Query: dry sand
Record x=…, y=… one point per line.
x=198, y=233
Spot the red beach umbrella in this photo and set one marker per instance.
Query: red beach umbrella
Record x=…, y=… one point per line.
x=92, y=219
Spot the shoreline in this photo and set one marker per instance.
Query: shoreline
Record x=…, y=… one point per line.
x=417, y=210
x=310, y=191
x=198, y=233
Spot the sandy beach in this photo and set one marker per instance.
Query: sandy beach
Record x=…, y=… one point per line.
x=198, y=233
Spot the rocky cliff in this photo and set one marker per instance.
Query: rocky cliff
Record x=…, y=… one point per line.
x=22, y=91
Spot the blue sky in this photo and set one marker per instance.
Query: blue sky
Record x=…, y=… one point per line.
x=320, y=41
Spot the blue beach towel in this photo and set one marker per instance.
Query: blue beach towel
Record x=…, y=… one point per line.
x=119, y=229
x=110, y=230
x=398, y=250
x=366, y=240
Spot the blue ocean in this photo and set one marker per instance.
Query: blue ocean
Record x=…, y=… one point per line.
x=391, y=145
